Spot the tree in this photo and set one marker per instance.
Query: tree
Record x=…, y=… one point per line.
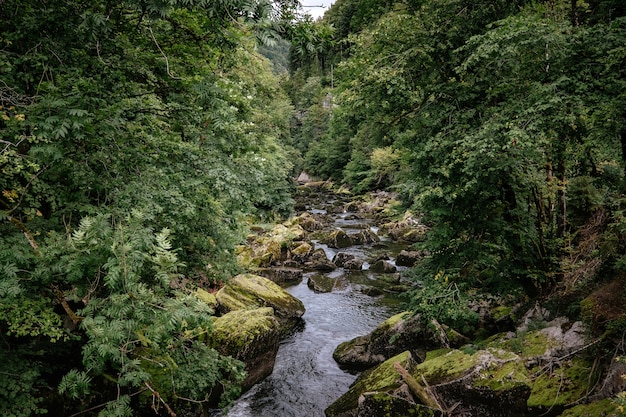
x=119, y=123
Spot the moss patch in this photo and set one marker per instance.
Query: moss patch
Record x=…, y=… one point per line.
x=504, y=376
x=382, y=378
x=239, y=332
x=207, y=297
x=248, y=291
x=561, y=386
x=500, y=312
x=604, y=408
x=446, y=367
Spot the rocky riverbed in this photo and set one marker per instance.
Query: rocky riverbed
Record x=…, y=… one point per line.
x=346, y=259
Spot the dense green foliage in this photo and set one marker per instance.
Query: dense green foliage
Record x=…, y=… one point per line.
x=501, y=122
x=135, y=137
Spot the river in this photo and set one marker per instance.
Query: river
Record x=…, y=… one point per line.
x=306, y=379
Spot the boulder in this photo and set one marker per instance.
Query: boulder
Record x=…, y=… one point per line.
x=248, y=292
x=322, y=283
x=408, y=258
x=311, y=222
x=347, y=261
x=270, y=247
x=395, y=335
x=383, y=378
x=409, y=229
x=302, y=252
x=486, y=383
x=363, y=237
x=338, y=239
x=319, y=261
x=383, y=267
x=207, y=297
x=251, y=336
x=281, y=274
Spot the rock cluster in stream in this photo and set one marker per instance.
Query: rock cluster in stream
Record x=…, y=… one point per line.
x=532, y=364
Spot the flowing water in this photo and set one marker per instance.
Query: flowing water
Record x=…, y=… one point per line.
x=306, y=379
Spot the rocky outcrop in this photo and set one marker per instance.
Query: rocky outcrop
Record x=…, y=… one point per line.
x=395, y=335
x=248, y=292
x=252, y=336
x=528, y=373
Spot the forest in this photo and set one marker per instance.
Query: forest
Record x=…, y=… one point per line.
x=140, y=140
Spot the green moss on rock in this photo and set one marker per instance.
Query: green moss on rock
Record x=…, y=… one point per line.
x=451, y=365
x=561, y=386
x=248, y=292
x=207, y=297
x=382, y=378
x=237, y=332
x=604, y=408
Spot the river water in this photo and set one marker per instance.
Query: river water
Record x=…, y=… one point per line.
x=306, y=379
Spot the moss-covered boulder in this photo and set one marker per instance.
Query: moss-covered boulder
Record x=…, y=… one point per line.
x=312, y=222
x=270, y=247
x=248, y=292
x=252, y=336
x=409, y=229
x=489, y=383
x=395, y=335
x=383, y=378
x=301, y=252
x=207, y=297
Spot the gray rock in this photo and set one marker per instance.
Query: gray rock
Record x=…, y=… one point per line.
x=383, y=267
x=280, y=275
x=408, y=258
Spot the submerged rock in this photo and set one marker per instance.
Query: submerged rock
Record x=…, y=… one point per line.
x=252, y=336
x=248, y=291
x=322, y=283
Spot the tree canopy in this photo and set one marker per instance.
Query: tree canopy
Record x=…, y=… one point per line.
x=501, y=123
x=135, y=137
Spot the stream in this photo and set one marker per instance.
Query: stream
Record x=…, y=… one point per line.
x=306, y=379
